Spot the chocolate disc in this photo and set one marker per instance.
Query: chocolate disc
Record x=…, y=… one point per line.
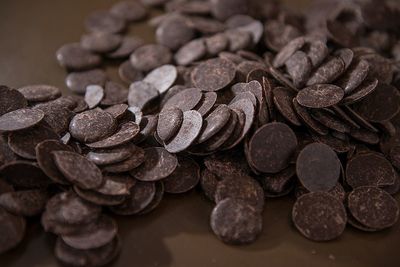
x=23, y=142
x=381, y=105
x=136, y=158
x=185, y=100
x=373, y=207
x=126, y=133
x=271, y=147
x=214, y=122
x=73, y=165
x=93, y=95
x=207, y=103
x=243, y=188
x=24, y=202
x=56, y=116
x=11, y=100
x=190, y=52
x=337, y=191
x=141, y=94
x=75, y=57
x=162, y=78
x=100, y=42
x=151, y=56
x=128, y=45
x=68, y=208
x=158, y=164
x=174, y=32
x=308, y=120
x=184, y=178
x=371, y=169
x=320, y=96
x=116, y=185
x=319, y=216
x=332, y=68
x=102, y=124
x=219, y=139
x=15, y=173
x=213, y=74
x=363, y=90
x=89, y=257
x=318, y=167
x=98, y=234
x=118, y=111
x=286, y=52
x=20, y=119
x=330, y=120
x=187, y=134
x=279, y=184
x=169, y=123
x=299, y=68
x=128, y=73
x=156, y=199
x=141, y=196
x=283, y=100
x=236, y=222
x=12, y=230
x=78, y=81
x=208, y=183
x=248, y=109
x=354, y=76
x=109, y=156
x=40, y=92
x=95, y=198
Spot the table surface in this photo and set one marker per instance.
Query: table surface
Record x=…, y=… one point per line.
x=177, y=233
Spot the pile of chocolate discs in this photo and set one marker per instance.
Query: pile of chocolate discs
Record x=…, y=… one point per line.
x=245, y=100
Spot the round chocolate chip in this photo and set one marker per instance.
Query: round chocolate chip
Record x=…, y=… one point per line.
x=149, y=57
x=20, y=119
x=184, y=178
x=73, y=165
x=187, y=134
x=318, y=167
x=271, y=147
x=169, y=123
x=40, y=92
x=158, y=164
x=74, y=57
x=370, y=169
x=241, y=187
x=320, y=96
x=126, y=133
x=88, y=257
x=78, y=81
x=185, y=100
x=236, y=222
x=12, y=230
x=98, y=234
x=213, y=74
x=92, y=125
x=141, y=196
x=100, y=42
x=10, y=100
x=45, y=159
x=319, y=216
x=372, y=207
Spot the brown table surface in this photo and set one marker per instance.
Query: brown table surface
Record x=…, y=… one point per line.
x=177, y=233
